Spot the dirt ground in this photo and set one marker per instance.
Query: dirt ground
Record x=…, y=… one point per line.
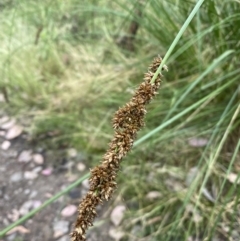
x=29, y=175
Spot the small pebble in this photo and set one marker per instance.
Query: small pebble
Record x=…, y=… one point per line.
x=2, y=169
x=17, y=191
x=26, y=191
x=2, y=98
x=69, y=210
x=116, y=234
x=33, y=194
x=12, y=237
x=16, y=177
x=14, y=215
x=197, y=142
x=6, y=197
x=14, y=132
x=30, y=175
x=72, y=177
x=72, y=153
x=85, y=184
x=36, y=203
x=47, y=171
x=3, y=120
x=5, y=145
x=153, y=195
x=38, y=159
x=37, y=169
x=81, y=167
x=60, y=227
x=117, y=214
x=7, y=125
x=5, y=222
x=25, y=156
x=26, y=207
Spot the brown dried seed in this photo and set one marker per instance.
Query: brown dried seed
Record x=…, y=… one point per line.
x=126, y=121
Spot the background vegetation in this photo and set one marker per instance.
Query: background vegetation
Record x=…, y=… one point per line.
x=66, y=67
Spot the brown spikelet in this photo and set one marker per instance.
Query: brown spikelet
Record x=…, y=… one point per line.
x=127, y=121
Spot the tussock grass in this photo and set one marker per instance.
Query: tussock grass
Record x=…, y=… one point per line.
x=76, y=75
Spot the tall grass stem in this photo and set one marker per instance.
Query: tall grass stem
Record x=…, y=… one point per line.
x=175, y=41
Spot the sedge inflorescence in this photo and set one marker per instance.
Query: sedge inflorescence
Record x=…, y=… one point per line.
x=127, y=121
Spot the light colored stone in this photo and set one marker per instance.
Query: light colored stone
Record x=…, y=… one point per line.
x=2, y=99
x=14, y=215
x=5, y=145
x=60, y=228
x=116, y=234
x=85, y=184
x=38, y=159
x=25, y=156
x=71, y=177
x=37, y=169
x=7, y=125
x=16, y=177
x=33, y=194
x=30, y=175
x=36, y=203
x=14, y=132
x=69, y=210
x=26, y=207
x=6, y=197
x=3, y=119
x=12, y=237
x=153, y=195
x=117, y=214
x=81, y=167
x=47, y=171
x=72, y=153
x=197, y=142
x=18, y=191
x=233, y=178
x=26, y=191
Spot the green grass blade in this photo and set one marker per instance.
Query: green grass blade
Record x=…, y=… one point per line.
x=214, y=64
x=177, y=38
x=181, y=114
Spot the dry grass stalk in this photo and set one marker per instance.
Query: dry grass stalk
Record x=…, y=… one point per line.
x=127, y=121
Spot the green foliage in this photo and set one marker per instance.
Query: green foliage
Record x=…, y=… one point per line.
x=60, y=62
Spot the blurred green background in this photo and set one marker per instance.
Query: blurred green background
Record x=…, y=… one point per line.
x=67, y=66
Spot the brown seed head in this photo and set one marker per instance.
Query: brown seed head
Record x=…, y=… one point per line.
x=127, y=121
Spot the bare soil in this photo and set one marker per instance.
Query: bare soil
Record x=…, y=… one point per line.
x=21, y=192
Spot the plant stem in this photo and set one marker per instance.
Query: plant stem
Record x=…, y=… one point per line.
x=175, y=41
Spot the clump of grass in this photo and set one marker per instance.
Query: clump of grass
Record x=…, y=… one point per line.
x=41, y=42
x=199, y=100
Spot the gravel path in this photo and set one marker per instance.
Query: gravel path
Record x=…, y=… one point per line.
x=28, y=177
